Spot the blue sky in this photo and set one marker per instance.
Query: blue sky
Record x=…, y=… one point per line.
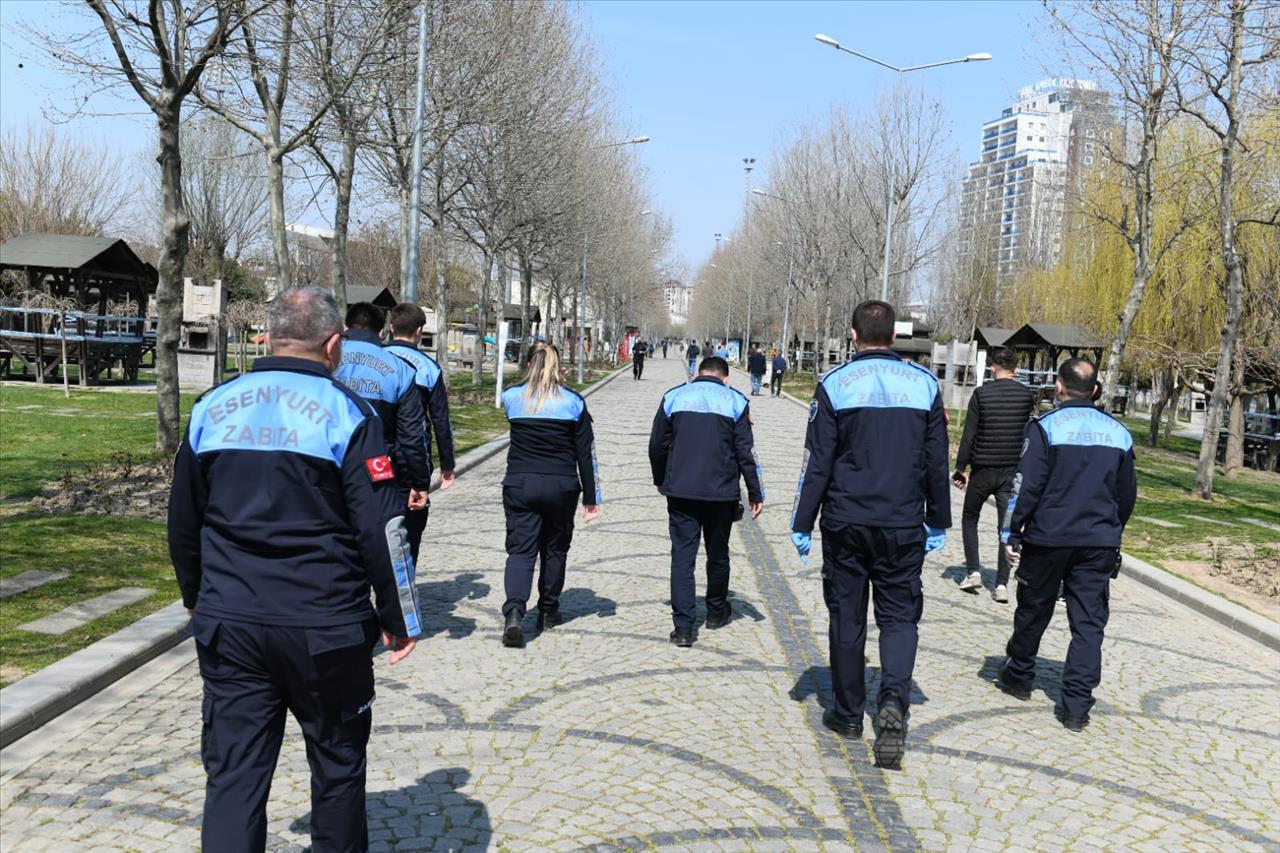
x=711, y=82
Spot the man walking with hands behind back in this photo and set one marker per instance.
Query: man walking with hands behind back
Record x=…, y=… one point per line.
x=875, y=464
x=991, y=444
x=1072, y=497
x=700, y=445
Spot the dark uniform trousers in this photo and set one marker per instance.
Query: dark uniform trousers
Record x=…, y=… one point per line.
x=415, y=524
x=889, y=561
x=775, y=384
x=539, y=512
x=252, y=675
x=637, y=366
x=1085, y=575
x=687, y=521
x=983, y=483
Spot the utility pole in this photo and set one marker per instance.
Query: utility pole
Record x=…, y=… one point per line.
x=415, y=180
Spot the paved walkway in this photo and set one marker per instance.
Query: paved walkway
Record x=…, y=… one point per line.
x=600, y=735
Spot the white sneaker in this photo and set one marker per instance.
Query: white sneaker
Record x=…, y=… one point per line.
x=1001, y=593
x=972, y=583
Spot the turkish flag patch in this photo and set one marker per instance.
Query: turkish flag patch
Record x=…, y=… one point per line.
x=380, y=468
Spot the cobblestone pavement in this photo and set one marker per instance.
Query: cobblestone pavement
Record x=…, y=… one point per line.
x=600, y=735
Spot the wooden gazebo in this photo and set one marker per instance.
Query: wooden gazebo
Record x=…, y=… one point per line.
x=89, y=274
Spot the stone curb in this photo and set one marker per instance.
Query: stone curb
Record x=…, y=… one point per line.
x=40, y=697
x=43, y=695
x=1230, y=615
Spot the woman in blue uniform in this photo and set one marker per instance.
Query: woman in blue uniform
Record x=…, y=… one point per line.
x=550, y=461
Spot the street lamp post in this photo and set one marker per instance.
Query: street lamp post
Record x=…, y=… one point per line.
x=728, y=303
x=582, y=290
x=791, y=268
x=748, y=163
x=893, y=192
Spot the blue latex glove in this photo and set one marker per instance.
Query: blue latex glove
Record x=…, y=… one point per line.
x=935, y=538
x=803, y=542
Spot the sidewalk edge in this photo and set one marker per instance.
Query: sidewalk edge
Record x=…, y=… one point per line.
x=1230, y=615
x=28, y=704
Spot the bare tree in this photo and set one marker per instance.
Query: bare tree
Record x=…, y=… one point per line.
x=55, y=184
x=1233, y=53
x=159, y=49
x=1138, y=48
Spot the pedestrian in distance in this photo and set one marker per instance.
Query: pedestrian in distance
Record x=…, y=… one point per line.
x=407, y=321
x=722, y=351
x=756, y=369
x=388, y=383
x=664, y=349
x=1072, y=497
x=692, y=354
x=700, y=444
x=875, y=464
x=638, y=353
x=990, y=447
x=550, y=462
x=284, y=513
x=779, y=371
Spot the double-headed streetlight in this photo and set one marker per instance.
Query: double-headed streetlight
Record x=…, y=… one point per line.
x=888, y=226
x=582, y=291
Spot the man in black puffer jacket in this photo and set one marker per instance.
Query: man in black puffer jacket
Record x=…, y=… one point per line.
x=991, y=445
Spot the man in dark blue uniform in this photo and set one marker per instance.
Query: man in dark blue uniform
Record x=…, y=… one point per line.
x=692, y=354
x=387, y=383
x=407, y=321
x=1072, y=497
x=875, y=463
x=284, y=512
x=699, y=446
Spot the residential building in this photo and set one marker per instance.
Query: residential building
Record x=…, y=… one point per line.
x=1014, y=203
x=677, y=295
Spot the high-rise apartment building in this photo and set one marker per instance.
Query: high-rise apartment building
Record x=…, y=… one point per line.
x=1013, y=207
x=677, y=295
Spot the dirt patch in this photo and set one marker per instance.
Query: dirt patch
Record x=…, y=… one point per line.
x=1247, y=573
x=10, y=674
x=123, y=488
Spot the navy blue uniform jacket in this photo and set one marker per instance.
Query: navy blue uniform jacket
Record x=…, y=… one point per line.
x=555, y=440
x=1076, y=485
x=284, y=508
x=387, y=383
x=701, y=442
x=875, y=453
x=429, y=379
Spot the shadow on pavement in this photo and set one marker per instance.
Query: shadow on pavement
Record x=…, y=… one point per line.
x=439, y=600
x=434, y=810
x=1048, y=678
x=816, y=680
x=579, y=602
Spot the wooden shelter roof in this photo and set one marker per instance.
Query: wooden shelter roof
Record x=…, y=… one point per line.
x=103, y=257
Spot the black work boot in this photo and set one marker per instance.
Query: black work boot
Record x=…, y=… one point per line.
x=682, y=637
x=848, y=729
x=1016, y=689
x=548, y=619
x=512, y=632
x=891, y=739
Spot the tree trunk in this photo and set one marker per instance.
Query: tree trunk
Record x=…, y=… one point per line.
x=526, y=294
x=1157, y=407
x=813, y=329
x=1175, y=398
x=279, y=237
x=342, y=219
x=1115, y=354
x=442, y=281
x=1233, y=459
x=173, y=254
x=482, y=317
x=826, y=326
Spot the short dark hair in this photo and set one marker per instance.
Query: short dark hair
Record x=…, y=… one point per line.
x=714, y=364
x=1078, y=376
x=873, y=321
x=365, y=315
x=1003, y=358
x=407, y=318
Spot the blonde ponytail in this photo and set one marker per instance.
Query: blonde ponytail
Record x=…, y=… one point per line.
x=542, y=376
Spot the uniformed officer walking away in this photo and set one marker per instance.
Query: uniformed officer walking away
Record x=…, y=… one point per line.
x=1072, y=497
x=665, y=343
x=779, y=371
x=388, y=384
x=692, y=354
x=284, y=512
x=550, y=461
x=875, y=464
x=700, y=444
x=638, y=352
x=407, y=321
x=991, y=444
x=756, y=369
